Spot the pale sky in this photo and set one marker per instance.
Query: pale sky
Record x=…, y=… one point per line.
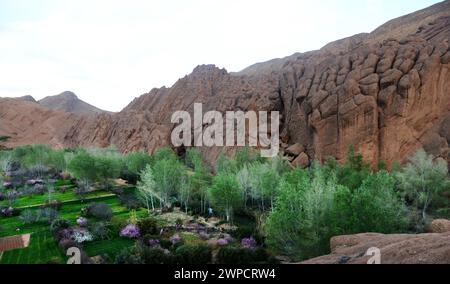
x=109, y=52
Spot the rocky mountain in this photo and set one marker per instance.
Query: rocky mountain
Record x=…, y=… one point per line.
x=430, y=248
x=385, y=93
x=69, y=102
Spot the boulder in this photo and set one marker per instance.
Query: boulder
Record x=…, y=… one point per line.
x=394, y=249
x=301, y=161
x=295, y=149
x=440, y=226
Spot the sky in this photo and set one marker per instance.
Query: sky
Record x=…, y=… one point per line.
x=109, y=51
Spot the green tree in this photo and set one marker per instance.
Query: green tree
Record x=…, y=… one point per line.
x=199, y=180
x=264, y=184
x=374, y=207
x=354, y=171
x=299, y=226
x=147, y=188
x=422, y=180
x=82, y=167
x=225, y=194
x=168, y=174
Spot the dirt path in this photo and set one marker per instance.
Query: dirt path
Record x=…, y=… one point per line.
x=14, y=242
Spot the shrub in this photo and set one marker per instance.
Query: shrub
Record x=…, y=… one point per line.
x=47, y=215
x=28, y=216
x=100, y=230
x=9, y=212
x=226, y=194
x=154, y=243
x=249, y=243
x=222, y=242
x=130, y=201
x=144, y=255
x=82, y=222
x=130, y=231
x=81, y=236
x=148, y=226
x=422, y=180
x=58, y=225
x=117, y=224
x=175, y=239
x=203, y=235
x=244, y=231
x=188, y=254
x=129, y=255
x=299, y=226
x=100, y=211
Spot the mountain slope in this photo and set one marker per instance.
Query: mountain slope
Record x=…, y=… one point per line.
x=69, y=102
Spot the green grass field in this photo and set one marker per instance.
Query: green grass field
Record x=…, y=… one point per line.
x=44, y=249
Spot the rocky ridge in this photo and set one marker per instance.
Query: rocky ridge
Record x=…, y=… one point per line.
x=385, y=93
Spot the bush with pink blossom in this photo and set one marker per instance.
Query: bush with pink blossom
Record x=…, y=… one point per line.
x=175, y=239
x=222, y=242
x=130, y=231
x=249, y=243
x=82, y=222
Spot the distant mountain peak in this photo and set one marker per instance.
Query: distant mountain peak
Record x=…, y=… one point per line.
x=69, y=102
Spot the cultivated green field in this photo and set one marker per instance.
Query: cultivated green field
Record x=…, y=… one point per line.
x=43, y=248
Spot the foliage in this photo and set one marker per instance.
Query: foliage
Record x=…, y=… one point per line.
x=135, y=163
x=100, y=211
x=299, y=224
x=225, y=194
x=422, y=180
x=193, y=254
x=100, y=230
x=130, y=231
x=148, y=226
x=58, y=225
x=249, y=243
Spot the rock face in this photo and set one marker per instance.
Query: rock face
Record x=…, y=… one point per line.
x=394, y=249
x=440, y=226
x=69, y=102
x=385, y=93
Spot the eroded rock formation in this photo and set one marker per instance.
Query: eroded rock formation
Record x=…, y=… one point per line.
x=386, y=93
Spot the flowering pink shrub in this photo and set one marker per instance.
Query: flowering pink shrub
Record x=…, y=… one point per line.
x=203, y=235
x=130, y=231
x=82, y=222
x=153, y=243
x=249, y=243
x=222, y=242
x=175, y=239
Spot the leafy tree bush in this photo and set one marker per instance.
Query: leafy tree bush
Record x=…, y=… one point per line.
x=58, y=225
x=82, y=167
x=100, y=230
x=140, y=254
x=374, y=207
x=148, y=226
x=100, y=211
x=193, y=254
x=354, y=171
x=312, y=208
x=422, y=180
x=135, y=163
x=194, y=193
x=264, y=184
x=299, y=226
x=225, y=194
